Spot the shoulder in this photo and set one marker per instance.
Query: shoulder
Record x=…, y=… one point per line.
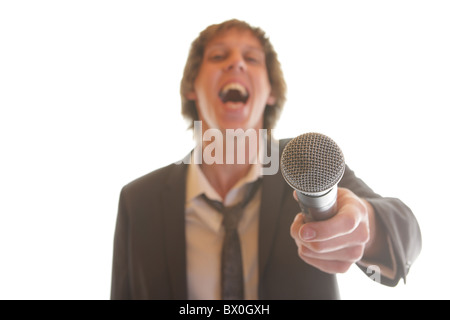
x=151, y=183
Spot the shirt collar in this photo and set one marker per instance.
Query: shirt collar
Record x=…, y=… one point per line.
x=198, y=184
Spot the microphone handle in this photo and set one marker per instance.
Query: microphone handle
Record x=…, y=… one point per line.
x=318, y=207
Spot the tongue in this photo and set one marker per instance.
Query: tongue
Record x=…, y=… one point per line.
x=233, y=96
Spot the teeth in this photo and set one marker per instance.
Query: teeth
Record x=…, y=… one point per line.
x=234, y=86
x=234, y=105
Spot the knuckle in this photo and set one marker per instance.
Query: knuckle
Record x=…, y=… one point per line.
x=301, y=251
x=348, y=222
x=317, y=247
x=356, y=253
x=294, y=230
x=295, y=227
x=362, y=234
x=293, y=235
x=343, y=267
x=365, y=235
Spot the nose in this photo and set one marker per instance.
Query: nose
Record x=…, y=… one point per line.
x=235, y=62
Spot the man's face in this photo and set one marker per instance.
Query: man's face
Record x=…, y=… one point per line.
x=232, y=88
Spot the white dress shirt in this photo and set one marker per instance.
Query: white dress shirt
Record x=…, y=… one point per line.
x=205, y=234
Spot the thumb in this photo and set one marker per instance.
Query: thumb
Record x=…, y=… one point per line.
x=298, y=222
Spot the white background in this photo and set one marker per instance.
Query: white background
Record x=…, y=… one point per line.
x=89, y=100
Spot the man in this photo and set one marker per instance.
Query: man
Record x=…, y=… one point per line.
x=169, y=238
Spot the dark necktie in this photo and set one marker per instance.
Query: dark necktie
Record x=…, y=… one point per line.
x=232, y=279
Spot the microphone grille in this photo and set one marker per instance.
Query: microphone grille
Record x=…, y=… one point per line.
x=312, y=163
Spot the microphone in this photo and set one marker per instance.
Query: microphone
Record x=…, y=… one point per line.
x=313, y=164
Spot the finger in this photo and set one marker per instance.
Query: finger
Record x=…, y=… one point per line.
x=348, y=254
x=360, y=236
x=299, y=220
x=331, y=267
x=344, y=222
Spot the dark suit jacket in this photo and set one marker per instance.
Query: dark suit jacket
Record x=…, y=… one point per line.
x=149, y=259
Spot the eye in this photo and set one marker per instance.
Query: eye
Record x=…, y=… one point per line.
x=252, y=59
x=216, y=56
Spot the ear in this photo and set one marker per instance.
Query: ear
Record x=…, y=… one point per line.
x=191, y=95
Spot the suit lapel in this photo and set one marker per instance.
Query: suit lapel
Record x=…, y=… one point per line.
x=273, y=189
x=173, y=197
x=271, y=202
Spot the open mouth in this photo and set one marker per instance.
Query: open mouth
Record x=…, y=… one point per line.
x=234, y=92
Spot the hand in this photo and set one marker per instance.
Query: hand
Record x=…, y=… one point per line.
x=335, y=244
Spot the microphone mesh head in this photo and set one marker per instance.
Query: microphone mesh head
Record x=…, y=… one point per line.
x=312, y=163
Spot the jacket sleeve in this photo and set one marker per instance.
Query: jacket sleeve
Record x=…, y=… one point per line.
x=404, y=237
